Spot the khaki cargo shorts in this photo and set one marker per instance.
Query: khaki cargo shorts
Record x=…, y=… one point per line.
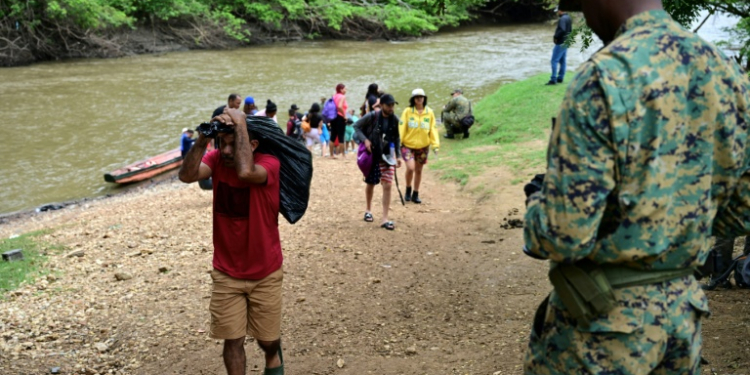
x=246, y=307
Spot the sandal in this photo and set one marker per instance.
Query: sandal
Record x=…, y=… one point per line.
x=388, y=225
x=368, y=217
x=276, y=370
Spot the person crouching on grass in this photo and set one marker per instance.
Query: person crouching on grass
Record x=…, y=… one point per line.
x=247, y=263
x=378, y=130
x=417, y=130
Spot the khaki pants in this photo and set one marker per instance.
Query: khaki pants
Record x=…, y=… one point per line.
x=246, y=307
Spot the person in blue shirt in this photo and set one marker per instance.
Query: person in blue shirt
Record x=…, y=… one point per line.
x=186, y=142
x=560, y=51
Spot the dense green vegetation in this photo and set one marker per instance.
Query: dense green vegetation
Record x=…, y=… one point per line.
x=34, y=252
x=407, y=16
x=512, y=130
x=45, y=29
x=688, y=13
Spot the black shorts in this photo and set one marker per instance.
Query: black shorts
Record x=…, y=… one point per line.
x=338, y=129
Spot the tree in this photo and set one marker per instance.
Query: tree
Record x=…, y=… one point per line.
x=687, y=12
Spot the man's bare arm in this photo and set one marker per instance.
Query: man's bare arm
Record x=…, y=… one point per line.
x=192, y=169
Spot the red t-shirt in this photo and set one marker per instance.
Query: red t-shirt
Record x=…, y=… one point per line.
x=246, y=219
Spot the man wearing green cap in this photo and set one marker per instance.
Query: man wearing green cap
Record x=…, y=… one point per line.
x=649, y=159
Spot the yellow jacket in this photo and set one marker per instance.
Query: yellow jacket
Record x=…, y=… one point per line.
x=418, y=131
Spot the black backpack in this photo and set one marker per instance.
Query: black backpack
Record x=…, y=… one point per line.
x=739, y=266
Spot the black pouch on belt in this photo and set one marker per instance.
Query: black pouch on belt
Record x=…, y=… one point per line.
x=584, y=289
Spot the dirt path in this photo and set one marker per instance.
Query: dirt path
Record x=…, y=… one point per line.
x=448, y=292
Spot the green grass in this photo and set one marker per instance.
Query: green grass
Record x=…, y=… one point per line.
x=34, y=253
x=506, y=121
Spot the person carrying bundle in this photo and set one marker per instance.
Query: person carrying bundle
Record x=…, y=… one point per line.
x=247, y=263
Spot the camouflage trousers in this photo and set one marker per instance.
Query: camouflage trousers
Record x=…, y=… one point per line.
x=452, y=123
x=654, y=329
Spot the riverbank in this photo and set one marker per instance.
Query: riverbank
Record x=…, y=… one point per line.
x=40, y=31
x=447, y=292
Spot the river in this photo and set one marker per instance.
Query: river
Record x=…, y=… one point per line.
x=67, y=123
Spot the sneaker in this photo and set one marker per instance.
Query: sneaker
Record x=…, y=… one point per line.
x=550, y=83
x=449, y=136
x=559, y=80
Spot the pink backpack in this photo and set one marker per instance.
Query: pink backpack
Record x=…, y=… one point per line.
x=364, y=160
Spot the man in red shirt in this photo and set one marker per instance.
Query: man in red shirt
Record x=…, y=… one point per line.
x=247, y=274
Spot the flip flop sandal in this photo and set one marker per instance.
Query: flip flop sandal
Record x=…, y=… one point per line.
x=276, y=370
x=368, y=217
x=388, y=225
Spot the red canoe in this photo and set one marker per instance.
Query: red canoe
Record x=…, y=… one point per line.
x=146, y=169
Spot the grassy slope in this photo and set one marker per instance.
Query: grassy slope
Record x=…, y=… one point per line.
x=34, y=252
x=508, y=123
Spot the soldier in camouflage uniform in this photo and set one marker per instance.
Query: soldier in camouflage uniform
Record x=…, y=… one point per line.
x=648, y=160
x=456, y=109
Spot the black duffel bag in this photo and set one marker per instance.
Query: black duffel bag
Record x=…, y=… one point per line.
x=296, y=171
x=468, y=120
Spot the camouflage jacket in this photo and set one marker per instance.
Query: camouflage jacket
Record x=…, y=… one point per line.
x=458, y=105
x=650, y=157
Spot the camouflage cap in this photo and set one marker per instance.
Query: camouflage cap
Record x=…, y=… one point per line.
x=570, y=5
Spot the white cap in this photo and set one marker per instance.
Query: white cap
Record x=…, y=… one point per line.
x=185, y=129
x=417, y=92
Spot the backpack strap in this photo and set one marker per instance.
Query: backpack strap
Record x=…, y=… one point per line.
x=375, y=125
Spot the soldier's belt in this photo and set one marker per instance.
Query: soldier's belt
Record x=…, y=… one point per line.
x=585, y=288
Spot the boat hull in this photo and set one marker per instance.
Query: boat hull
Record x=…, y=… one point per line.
x=145, y=169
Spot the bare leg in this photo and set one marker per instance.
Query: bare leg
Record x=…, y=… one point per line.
x=417, y=175
x=271, y=349
x=410, y=174
x=369, y=189
x=342, y=148
x=234, y=356
x=386, y=199
x=331, y=149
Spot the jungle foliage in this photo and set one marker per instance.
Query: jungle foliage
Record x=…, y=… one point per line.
x=410, y=17
x=48, y=28
x=697, y=12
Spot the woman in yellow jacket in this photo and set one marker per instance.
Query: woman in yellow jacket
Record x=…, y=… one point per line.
x=417, y=130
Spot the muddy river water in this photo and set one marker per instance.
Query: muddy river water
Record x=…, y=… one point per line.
x=65, y=124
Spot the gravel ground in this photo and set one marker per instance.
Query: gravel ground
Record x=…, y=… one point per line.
x=447, y=292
